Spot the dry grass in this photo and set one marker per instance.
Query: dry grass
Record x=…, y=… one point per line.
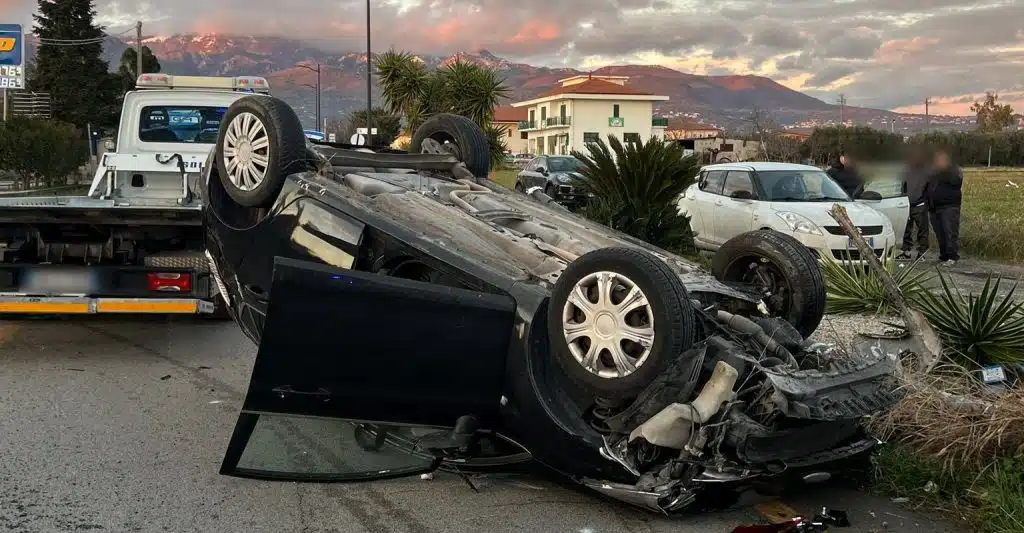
x=956, y=448
x=991, y=216
x=949, y=416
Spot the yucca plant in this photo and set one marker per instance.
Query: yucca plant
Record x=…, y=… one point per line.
x=636, y=187
x=858, y=290
x=979, y=329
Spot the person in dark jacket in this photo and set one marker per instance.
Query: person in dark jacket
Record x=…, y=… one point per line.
x=943, y=196
x=915, y=178
x=844, y=173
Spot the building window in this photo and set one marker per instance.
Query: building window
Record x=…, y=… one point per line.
x=533, y=117
x=631, y=138
x=590, y=137
x=543, y=113
x=615, y=110
x=561, y=111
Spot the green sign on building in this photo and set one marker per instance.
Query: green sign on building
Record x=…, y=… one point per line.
x=616, y=122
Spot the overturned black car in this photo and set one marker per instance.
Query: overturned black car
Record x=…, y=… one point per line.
x=412, y=314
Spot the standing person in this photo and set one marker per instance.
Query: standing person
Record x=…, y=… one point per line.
x=844, y=172
x=915, y=178
x=943, y=196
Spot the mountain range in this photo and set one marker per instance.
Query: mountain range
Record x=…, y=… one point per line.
x=724, y=101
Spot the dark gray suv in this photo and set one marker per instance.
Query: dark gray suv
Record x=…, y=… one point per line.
x=558, y=175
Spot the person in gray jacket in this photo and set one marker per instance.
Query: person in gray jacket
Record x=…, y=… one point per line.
x=915, y=178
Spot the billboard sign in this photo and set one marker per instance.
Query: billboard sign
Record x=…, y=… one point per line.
x=12, y=57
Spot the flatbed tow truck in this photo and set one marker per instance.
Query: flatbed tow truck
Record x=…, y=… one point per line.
x=135, y=242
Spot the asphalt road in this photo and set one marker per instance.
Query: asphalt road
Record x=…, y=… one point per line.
x=120, y=425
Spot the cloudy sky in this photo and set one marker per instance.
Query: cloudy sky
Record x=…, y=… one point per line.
x=879, y=53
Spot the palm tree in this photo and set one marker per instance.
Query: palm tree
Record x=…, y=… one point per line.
x=636, y=188
x=461, y=87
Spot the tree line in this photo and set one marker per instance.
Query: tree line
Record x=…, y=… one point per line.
x=968, y=148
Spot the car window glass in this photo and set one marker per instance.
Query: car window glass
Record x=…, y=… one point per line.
x=300, y=447
x=737, y=180
x=180, y=124
x=886, y=187
x=532, y=166
x=713, y=181
x=799, y=186
x=563, y=164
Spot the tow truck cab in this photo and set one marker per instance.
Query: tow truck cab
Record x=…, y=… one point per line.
x=134, y=243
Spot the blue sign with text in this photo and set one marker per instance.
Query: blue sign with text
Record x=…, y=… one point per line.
x=12, y=57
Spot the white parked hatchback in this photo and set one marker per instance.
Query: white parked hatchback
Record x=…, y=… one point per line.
x=733, y=198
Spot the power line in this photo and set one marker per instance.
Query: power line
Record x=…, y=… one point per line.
x=80, y=42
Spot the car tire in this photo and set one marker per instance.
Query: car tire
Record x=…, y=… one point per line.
x=520, y=187
x=776, y=261
x=667, y=311
x=457, y=135
x=253, y=177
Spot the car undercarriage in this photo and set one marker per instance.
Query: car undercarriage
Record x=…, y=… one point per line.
x=622, y=366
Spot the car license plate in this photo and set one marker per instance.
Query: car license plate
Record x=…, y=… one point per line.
x=58, y=282
x=869, y=240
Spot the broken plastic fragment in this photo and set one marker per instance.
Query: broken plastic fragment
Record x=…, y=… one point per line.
x=832, y=517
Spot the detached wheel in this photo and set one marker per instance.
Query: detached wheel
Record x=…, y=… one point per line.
x=781, y=268
x=260, y=143
x=446, y=133
x=617, y=318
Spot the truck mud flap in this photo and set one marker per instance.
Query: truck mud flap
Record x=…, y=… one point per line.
x=89, y=306
x=852, y=388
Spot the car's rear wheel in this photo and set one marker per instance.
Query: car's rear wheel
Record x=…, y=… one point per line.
x=785, y=271
x=617, y=318
x=260, y=143
x=446, y=133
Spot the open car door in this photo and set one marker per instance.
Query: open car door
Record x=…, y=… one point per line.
x=361, y=376
x=894, y=203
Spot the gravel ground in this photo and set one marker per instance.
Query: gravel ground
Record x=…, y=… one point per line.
x=841, y=329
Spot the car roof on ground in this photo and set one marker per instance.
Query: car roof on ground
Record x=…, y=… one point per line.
x=759, y=166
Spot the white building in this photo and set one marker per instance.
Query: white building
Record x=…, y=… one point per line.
x=585, y=108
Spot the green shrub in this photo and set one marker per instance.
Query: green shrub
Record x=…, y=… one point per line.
x=858, y=290
x=41, y=149
x=979, y=329
x=636, y=188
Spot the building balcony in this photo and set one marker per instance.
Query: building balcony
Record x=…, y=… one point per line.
x=555, y=122
x=659, y=122
x=525, y=125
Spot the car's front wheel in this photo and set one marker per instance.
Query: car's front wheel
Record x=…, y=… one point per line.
x=782, y=269
x=617, y=318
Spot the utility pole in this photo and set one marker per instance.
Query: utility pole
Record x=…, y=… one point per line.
x=317, y=88
x=842, y=108
x=138, y=48
x=369, y=81
x=927, y=119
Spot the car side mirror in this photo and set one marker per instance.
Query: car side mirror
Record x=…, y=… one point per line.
x=871, y=196
x=741, y=195
x=542, y=170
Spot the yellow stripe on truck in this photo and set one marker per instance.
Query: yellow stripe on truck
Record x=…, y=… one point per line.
x=114, y=306
x=56, y=308
x=84, y=306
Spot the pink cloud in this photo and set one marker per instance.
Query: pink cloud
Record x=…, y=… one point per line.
x=896, y=51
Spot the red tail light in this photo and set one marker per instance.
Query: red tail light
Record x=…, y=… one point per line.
x=170, y=281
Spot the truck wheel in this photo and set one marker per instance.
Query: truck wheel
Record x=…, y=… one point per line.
x=446, y=133
x=617, y=318
x=260, y=143
x=782, y=269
